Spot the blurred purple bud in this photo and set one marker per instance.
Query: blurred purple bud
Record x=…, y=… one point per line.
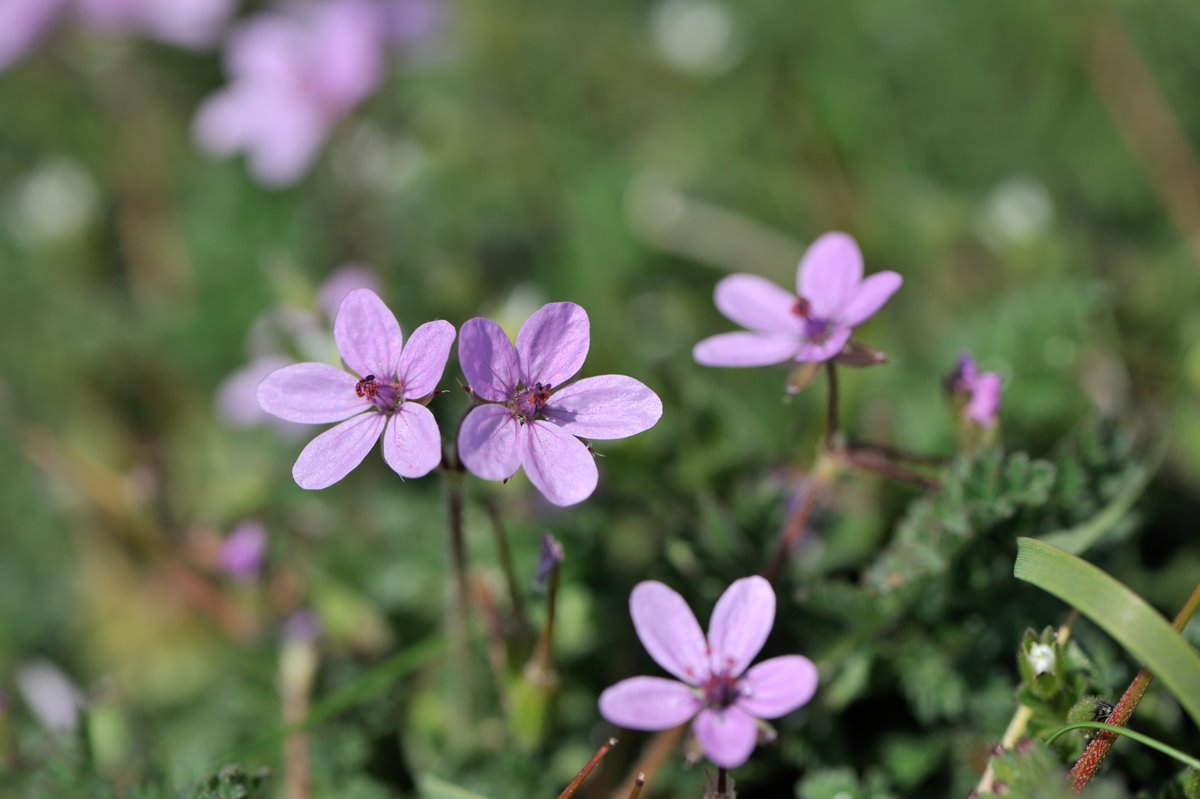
x=982, y=390
x=23, y=23
x=53, y=699
x=412, y=22
x=242, y=553
x=236, y=399
x=550, y=556
x=302, y=627
x=344, y=280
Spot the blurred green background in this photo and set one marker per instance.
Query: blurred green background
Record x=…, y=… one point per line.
x=1029, y=168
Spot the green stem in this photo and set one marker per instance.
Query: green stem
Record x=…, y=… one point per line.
x=1145, y=740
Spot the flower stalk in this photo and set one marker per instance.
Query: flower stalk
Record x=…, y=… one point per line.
x=586, y=771
x=1089, y=762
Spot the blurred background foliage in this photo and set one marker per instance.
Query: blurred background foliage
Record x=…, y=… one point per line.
x=1027, y=167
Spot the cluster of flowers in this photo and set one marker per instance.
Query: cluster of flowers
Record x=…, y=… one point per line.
x=295, y=71
x=529, y=413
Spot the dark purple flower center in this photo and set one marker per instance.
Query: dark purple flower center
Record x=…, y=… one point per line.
x=815, y=329
x=721, y=691
x=527, y=403
x=386, y=396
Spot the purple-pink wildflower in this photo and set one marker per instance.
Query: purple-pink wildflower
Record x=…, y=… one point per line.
x=814, y=324
x=296, y=73
x=242, y=552
x=385, y=395
x=982, y=390
x=530, y=418
x=717, y=690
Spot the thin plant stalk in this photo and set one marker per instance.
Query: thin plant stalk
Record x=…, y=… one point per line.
x=1089, y=762
x=460, y=612
x=506, y=563
x=652, y=759
x=586, y=771
x=544, y=654
x=638, y=783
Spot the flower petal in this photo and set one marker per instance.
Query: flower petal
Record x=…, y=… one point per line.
x=488, y=359
x=727, y=736
x=745, y=349
x=557, y=463
x=487, y=442
x=757, y=303
x=330, y=456
x=740, y=624
x=824, y=350
x=872, y=293
x=313, y=393
x=778, y=686
x=669, y=631
x=553, y=343
x=985, y=399
x=649, y=703
x=412, y=445
x=829, y=274
x=368, y=335
x=608, y=406
x=424, y=358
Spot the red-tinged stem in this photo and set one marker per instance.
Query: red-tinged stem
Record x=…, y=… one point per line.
x=584, y=772
x=638, y=783
x=1089, y=762
x=652, y=759
x=722, y=776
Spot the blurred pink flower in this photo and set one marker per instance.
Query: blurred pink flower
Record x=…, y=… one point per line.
x=717, y=689
x=242, y=552
x=982, y=390
x=345, y=279
x=814, y=324
x=23, y=23
x=51, y=696
x=384, y=398
x=293, y=76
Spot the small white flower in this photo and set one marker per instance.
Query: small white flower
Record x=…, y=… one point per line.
x=1041, y=657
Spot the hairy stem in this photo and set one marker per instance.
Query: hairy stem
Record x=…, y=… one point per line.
x=570, y=790
x=1089, y=762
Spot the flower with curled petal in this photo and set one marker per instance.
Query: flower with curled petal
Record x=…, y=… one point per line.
x=384, y=397
x=814, y=324
x=529, y=417
x=980, y=389
x=718, y=690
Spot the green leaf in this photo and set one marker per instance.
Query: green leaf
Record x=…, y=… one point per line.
x=1119, y=612
x=436, y=788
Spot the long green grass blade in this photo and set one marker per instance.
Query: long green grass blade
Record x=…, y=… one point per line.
x=1119, y=612
x=1145, y=740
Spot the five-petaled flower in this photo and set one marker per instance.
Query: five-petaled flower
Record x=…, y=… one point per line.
x=529, y=417
x=982, y=390
x=717, y=689
x=386, y=395
x=812, y=325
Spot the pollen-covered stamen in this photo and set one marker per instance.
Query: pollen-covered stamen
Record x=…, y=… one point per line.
x=801, y=308
x=383, y=395
x=721, y=691
x=528, y=401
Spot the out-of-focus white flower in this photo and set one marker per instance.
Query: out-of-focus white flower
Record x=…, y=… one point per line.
x=1017, y=211
x=53, y=699
x=698, y=37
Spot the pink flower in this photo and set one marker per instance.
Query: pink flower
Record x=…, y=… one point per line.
x=531, y=418
x=293, y=77
x=716, y=689
x=23, y=23
x=812, y=325
x=385, y=396
x=981, y=388
x=187, y=23
x=241, y=554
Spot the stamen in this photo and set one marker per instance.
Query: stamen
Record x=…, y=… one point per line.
x=367, y=387
x=801, y=308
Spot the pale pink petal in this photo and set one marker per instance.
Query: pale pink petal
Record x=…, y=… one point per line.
x=313, y=393
x=984, y=405
x=649, y=703
x=368, y=335
x=488, y=360
x=740, y=624
x=829, y=274
x=23, y=23
x=824, y=350
x=348, y=47
x=487, y=442
x=608, y=406
x=330, y=456
x=745, y=349
x=237, y=396
x=557, y=463
x=553, y=343
x=778, y=686
x=727, y=736
x=424, y=358
x=872, y=293
x=669, y=631
x=344, y=280
x=757, y=303
x=412, y=445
